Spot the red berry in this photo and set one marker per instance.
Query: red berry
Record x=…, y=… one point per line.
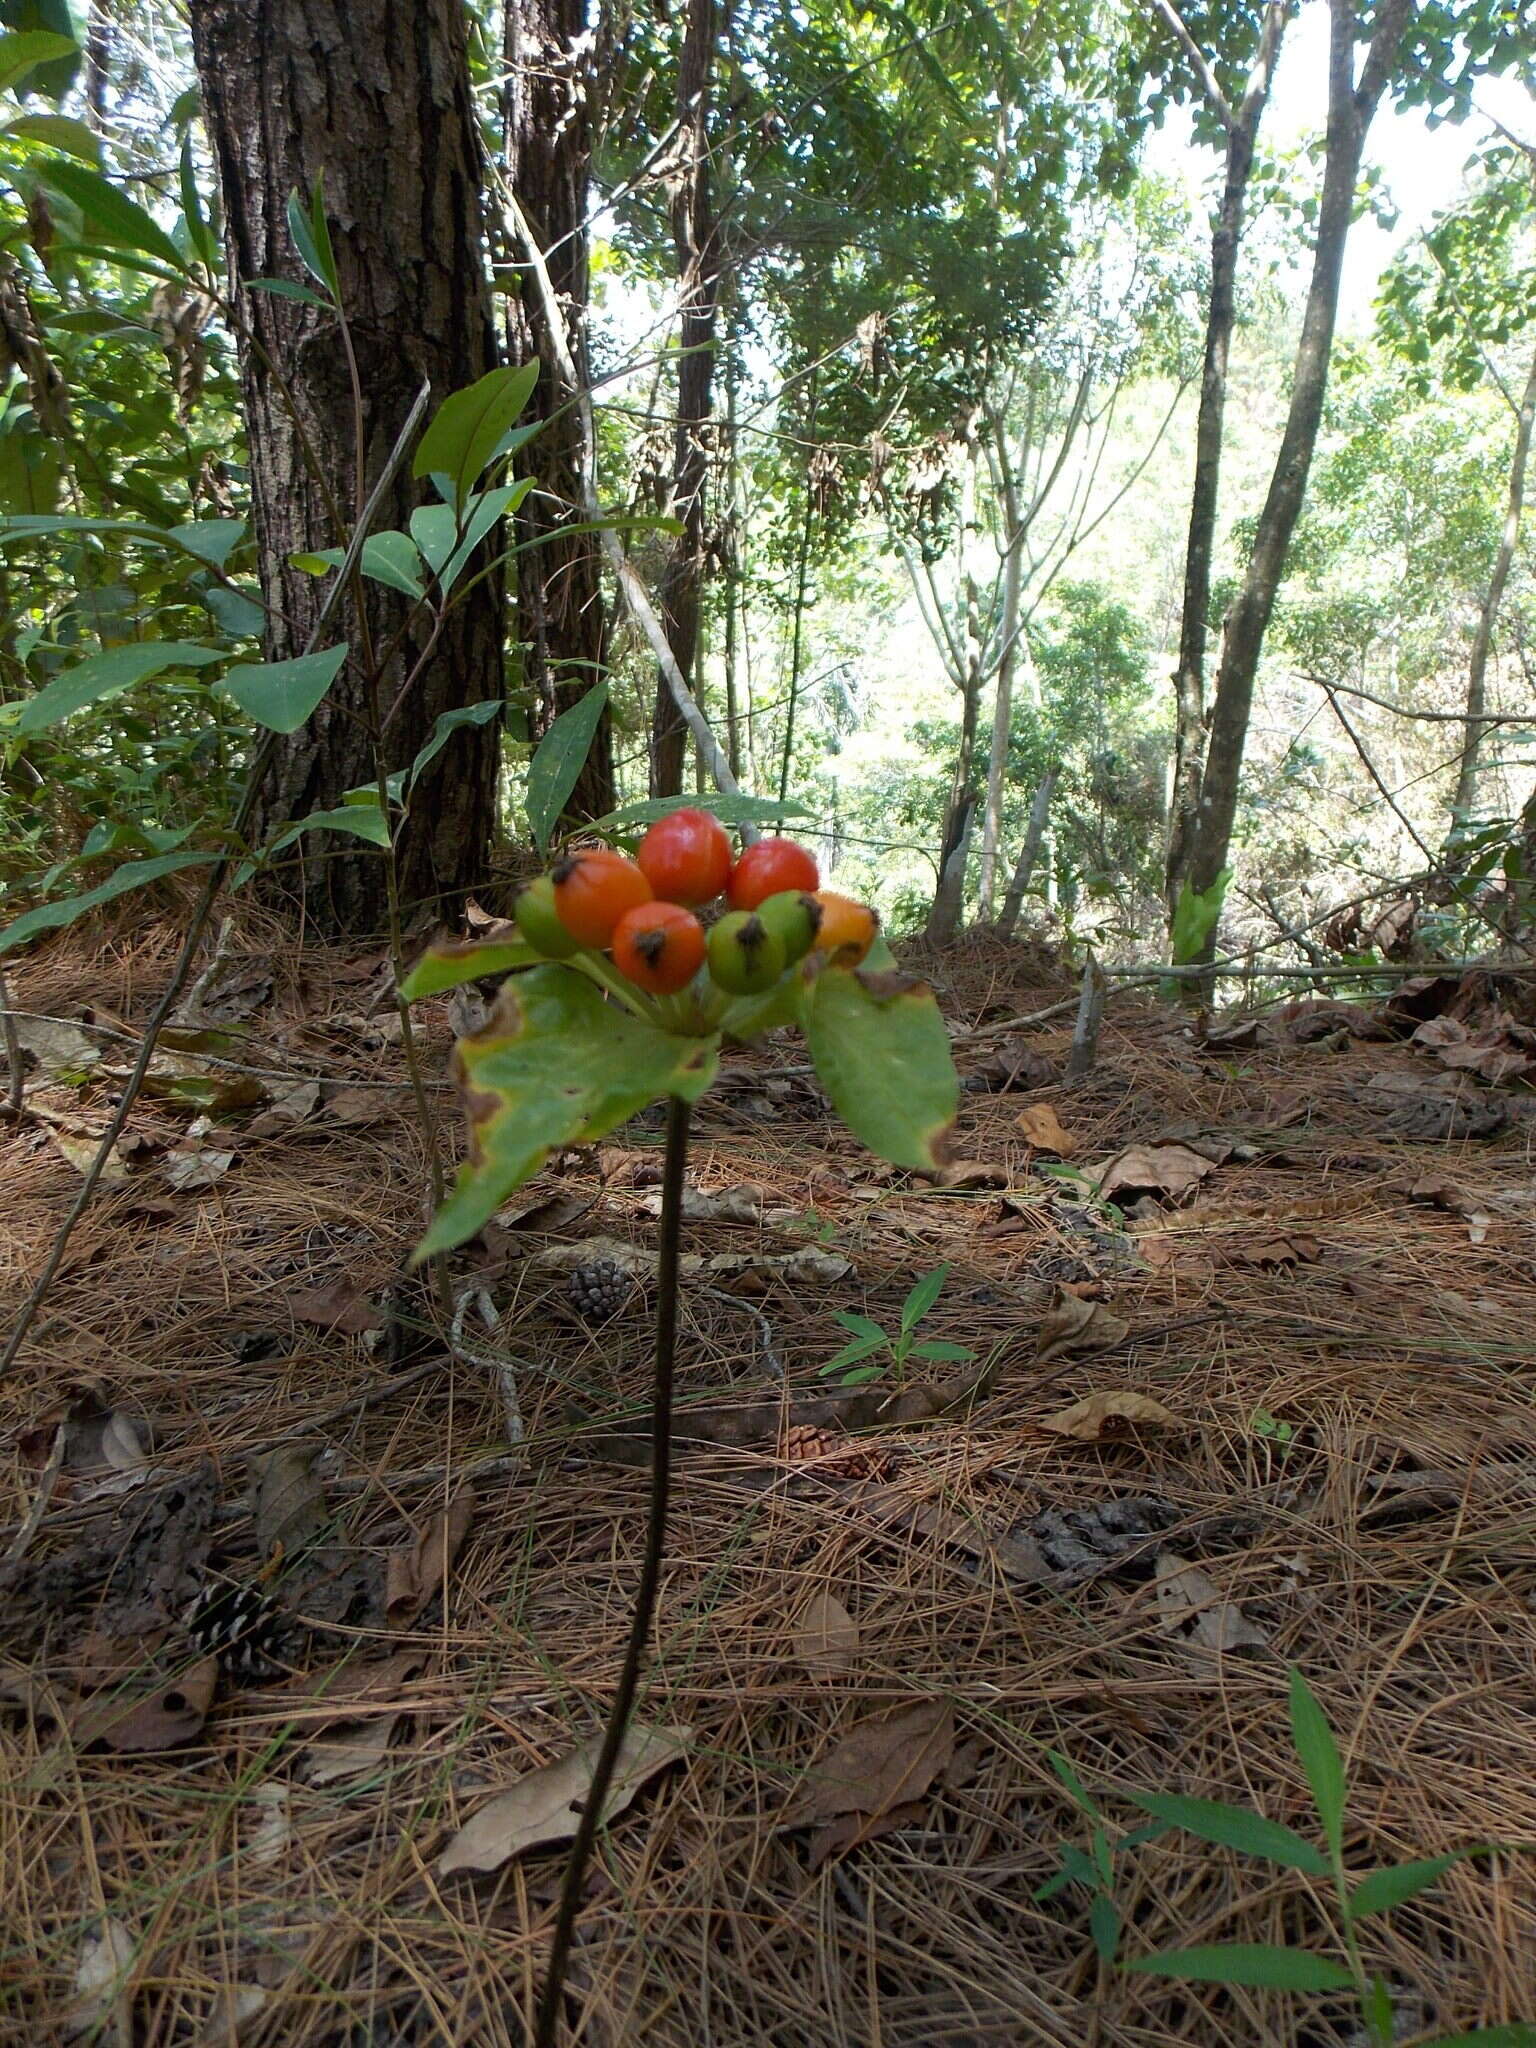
x=592, y=892
x=769, y=868
x=686, y=857
x=659, y=946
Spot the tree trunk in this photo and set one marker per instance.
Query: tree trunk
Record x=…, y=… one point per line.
x=1010, y=634
x=1029, y=852
x=949, y=896
x=695, y=236
x=1242, y=125
x=380, y=106
x=1482, y=640
x=1350, y=109
x=560, y=616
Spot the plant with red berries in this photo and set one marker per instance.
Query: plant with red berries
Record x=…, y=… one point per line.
x=623, y=987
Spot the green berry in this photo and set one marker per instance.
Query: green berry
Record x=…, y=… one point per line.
x=793, y=918
x=744, y=956
x=539, y=921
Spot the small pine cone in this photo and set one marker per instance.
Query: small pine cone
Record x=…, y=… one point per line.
x=599, y=1290
x=238, y=1625
x=832, y=1456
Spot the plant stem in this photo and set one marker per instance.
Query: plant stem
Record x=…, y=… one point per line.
x=548, y=2019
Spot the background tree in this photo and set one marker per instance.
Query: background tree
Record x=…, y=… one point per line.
x=384, y=123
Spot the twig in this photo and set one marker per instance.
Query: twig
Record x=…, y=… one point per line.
x=547, y=2022
x=502, y=1368
x=1090, y=1017
x=34, y=1517
x=16, y=1082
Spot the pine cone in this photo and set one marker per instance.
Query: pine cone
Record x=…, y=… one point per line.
x=239, y=1625
x=599, y=1290
x=832, y=1456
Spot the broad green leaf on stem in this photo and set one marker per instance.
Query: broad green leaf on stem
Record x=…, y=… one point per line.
x=58, y=131
x=558, y=760
x=391, y=558
x=312, y=238
x=510, y=442
x=940, y=1352
x=448, y=724
x=456, y=961
x=447, y=537
x=468, y=426
x=281, y=694
x=924, y=1294
x=1073, y=1783
x=1380, y=1890
x=199, y=232
x=136, y=875
x=285, y=288
x=111, y=215
x=42, y=525
x=554, y=1064
x=861, y=1326
x=1195, y=916
x=104, y=675
x=730, y=809
x=1251, y=1963
x=119, y=837
x=23, y=52
x=1320, y=1760
x=882, y=1053
x=361, y=817
x=1236, y=1827
x=210, y=540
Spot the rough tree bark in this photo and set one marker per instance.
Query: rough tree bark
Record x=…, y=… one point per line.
x=561, y=622
x=696, y=238
x=1488, y=612
x=376, y=98
x=1241, y=125
x=1351, y=106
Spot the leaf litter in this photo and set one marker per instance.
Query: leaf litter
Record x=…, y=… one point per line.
x=1395, y=1356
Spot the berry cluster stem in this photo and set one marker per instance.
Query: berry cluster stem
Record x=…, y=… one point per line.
x=547, y=2021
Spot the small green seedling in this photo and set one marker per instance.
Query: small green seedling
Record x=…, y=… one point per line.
x=900, y=1345
x=1094, y=1868
x=1358, y=1895
x=1281, y=1434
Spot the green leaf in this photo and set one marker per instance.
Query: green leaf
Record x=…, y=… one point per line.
x=468, y=426
x=1515, y=2034
x=447, y=538
x=748, y=1017
x=940, y=1352
x=1380, y=1890
x=1076, y=1868
x=1247, y=1962
x=1195, y=916
x=729, y=809
x=357, y=818
x=924, y=1294
x=882, y=1053
x=312, y=238
x=113, y=217
x=281, y=694
x=862, y=1347
x=103, y=675
x=236, y=609
x=556, y=1063
x=136, y=875
x=1320, y=1760
x=59, y=131
x=391, y=558
x=1104, y=1925
x=1235, y=1827
x=558, y=760
x=861, y=1374
x=111, y=836
x=448, y=724
x=210, y=540
x=22, y=53
x=201, y=235
x=456, y=961
x=1073, y=1783
x=861, y=1326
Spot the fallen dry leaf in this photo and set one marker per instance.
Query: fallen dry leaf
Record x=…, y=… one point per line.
x=827, y=1637
x=337, y=1307
x=1016, y=1557
x=288, y=1503
x=1045, y=1130
x=1171, y=1170
x=963, y=1174
x=1075, y=1327
x=163, y=1718
x=740, y=1204
x=360, y=1105
x=81, y=1154
x=234, y=2005
x=875, y=1778
x=418, y=1573
x=187, y=1171
x=544, y=1806
x=1110, y=1417
x=367, y=1713
x=289, y=1106
x=1190, y=1604
x=273, y=1832
x=99, y=2007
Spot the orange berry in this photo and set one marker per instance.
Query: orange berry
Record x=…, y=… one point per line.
x=593, y=889
x=768, y=869
x=659, y=946
x=847, y=929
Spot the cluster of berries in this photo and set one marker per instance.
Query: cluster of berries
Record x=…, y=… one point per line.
x=643, y=911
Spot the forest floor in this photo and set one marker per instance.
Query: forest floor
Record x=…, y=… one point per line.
x=1303, y=1321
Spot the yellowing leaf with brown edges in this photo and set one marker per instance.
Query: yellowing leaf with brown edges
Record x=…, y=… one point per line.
x=1110, y=1417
